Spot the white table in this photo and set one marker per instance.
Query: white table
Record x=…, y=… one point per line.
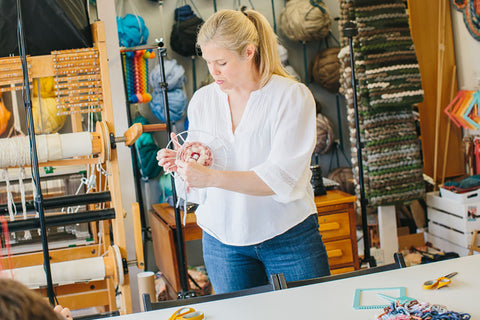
x=334, y=299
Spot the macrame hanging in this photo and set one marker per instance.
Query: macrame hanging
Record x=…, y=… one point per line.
x=471, y=15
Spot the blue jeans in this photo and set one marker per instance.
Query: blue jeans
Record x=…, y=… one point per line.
x=298, y=253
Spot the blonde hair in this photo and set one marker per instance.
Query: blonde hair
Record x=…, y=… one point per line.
x=234, y=30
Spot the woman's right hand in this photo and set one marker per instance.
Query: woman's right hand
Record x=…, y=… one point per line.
x=167, y=157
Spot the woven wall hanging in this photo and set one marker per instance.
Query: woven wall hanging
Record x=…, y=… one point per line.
x=388, y=85
x=471, y=15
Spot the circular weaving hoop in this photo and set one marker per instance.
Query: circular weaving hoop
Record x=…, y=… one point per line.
x=216, y=151
x=304, y=20
x=325, y=135
x=325, y=69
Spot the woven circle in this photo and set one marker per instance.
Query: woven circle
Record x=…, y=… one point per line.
x=325, y=135
x=304, y=20
x=325, y=69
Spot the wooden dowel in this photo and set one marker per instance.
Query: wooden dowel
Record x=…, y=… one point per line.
x=440, y=56
x=449, y=124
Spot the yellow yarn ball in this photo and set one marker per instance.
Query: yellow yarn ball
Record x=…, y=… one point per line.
x=45, y=118
x=47, y=87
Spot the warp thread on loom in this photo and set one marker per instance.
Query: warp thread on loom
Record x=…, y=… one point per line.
x=389, y=84
x=16, y=150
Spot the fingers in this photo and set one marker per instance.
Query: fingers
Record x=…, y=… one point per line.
x=166, y=159
x=174, y=138
x=65, y=312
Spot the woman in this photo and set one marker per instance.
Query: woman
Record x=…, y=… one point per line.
x=258, y=215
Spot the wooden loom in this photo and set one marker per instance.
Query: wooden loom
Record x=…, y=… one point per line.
x=98, y=293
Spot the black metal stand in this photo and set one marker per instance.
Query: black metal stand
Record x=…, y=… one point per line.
x=350, y=30
x=34, y=159
x=182, y=268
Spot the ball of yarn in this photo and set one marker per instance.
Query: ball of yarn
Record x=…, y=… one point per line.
x=47, y=87
x=325, y=135
x=177, y=103
x=131, y=31
x=174, y=75
x=4, y=117
x=45, y=118
x=304, y=20
x=325, y=69
x=147, y=152
x=344, y=177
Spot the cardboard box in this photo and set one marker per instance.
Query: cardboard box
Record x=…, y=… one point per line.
x=405, y=242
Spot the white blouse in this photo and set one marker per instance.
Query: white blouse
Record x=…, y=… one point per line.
x=275, y=138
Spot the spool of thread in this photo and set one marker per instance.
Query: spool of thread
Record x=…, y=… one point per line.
x=146, y=284
x=317, y=180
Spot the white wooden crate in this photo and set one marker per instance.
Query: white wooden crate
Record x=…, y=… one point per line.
x=453, y=221
x=446, y=246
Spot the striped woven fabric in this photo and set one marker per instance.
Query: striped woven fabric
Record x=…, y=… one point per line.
x=388, y=84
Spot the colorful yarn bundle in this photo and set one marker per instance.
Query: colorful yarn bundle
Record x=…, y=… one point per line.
x=415, y=310
x=135, y=69
x=388, y=84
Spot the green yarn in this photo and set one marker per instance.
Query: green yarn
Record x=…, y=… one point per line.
x=147, y=153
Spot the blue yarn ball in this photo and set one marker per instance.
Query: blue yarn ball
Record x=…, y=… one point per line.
x=177, y=103
x=131, y=31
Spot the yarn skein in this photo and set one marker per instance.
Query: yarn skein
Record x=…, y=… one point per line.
x=325, y=69
x=305, y=20
x=174, y=75
x=131, y=31
x=325, y=135
x=177, y=103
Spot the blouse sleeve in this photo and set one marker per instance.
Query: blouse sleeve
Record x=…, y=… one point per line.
x=287, y=168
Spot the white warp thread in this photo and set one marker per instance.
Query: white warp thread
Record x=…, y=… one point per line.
x=16, y=151
x=66, y=272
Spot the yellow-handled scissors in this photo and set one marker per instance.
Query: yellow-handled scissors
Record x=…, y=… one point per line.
x=440, y=282
x=186, y=313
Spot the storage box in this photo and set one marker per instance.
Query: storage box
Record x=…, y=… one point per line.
x=472, y=196
x=453, y=221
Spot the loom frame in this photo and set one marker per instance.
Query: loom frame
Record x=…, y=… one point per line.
x=101, y=293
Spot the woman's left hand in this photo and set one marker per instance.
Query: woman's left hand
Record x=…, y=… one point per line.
x=194, y=174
